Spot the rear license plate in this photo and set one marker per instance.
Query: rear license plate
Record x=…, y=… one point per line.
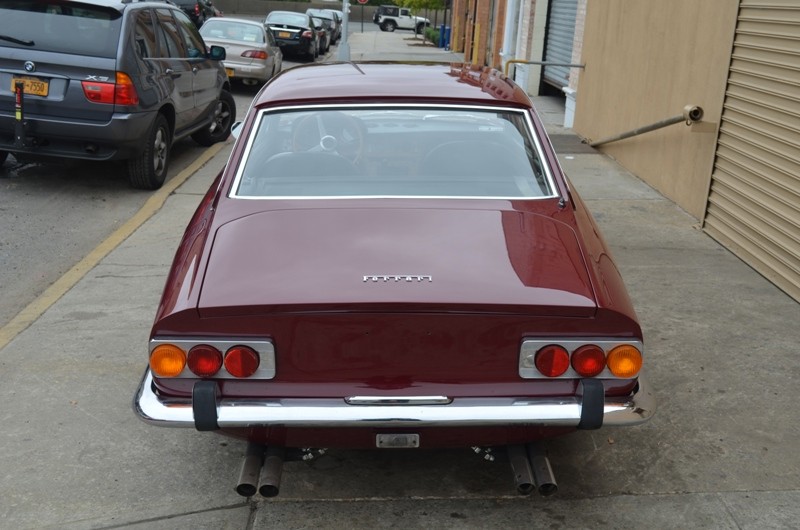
x=397, y=441
x=229, y=72
x=284, y=35
x=32, y=85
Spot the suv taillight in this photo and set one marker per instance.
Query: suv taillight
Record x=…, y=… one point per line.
x=120, y=93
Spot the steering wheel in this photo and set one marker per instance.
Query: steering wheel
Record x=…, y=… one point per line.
x=330, y=132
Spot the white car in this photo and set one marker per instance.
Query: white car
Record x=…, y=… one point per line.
x=252, y=55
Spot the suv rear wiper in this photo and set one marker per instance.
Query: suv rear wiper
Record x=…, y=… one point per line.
x=17, y=41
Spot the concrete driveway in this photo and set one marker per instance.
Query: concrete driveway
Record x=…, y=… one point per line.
x=721, y=352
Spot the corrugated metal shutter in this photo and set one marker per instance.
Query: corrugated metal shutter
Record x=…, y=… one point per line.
x=558, y=45
x=754, y=202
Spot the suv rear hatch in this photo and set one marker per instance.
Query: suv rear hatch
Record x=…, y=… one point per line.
x=52, y=47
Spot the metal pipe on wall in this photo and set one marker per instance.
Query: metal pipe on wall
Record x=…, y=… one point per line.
x=690, y=115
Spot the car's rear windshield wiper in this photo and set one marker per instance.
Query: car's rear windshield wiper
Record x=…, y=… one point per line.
x=17, y=41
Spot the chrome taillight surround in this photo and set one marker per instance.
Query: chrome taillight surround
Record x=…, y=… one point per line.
x=264, y=348
x=529, y=348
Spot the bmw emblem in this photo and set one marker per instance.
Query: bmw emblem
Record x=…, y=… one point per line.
x=30, y=66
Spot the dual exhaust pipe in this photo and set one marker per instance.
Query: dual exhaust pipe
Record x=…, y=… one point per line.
x=531, y=469
x=261, y=472
x=262, y=468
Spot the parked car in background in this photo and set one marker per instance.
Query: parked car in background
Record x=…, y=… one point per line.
x=198, y=10
x=324, y=32
x=251, y=53
x=456, y=293
x=295, y=33
x=328, y=15
x=390, y=18
x=108, y=80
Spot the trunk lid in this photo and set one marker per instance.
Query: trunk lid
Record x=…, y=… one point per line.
x=402, y=260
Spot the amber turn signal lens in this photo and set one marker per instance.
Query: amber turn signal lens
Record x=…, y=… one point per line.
x=588, y=360
x=552, y=360
x=167, y=360
x=241, y=361
x=204, y=360
x=624, y=361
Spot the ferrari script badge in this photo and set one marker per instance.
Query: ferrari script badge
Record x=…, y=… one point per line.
x=398, y=278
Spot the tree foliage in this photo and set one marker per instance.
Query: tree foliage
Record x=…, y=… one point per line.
x=417, y=6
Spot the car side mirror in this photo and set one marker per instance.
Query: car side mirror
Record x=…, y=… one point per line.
x=236, y=129
x=216, y=53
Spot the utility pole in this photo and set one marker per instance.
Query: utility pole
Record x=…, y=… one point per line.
x=344, y=46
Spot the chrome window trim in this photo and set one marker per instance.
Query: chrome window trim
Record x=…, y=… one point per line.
x=264, y=348
x=531, y=131
x=531, y=346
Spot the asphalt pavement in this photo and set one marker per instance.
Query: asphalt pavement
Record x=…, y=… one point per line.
x=723, y=450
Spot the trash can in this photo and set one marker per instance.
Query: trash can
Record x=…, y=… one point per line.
x=444, y=36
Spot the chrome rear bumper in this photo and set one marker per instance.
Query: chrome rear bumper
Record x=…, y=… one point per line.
x=459, y=412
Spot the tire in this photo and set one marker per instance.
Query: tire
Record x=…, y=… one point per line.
x=220, y=127
x=389, y=25
x=148, y=169
x=3, y=156
x=420, y=28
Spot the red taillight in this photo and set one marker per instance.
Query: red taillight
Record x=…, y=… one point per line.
x=588, y=360
x=255, y=54
x=197, y=9
x=122, y=92
x=552, y=360
x=97, y=92
x=241, y=361
x=307, y=35
x=204, y=360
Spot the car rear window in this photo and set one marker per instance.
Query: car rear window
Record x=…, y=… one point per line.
x=320, y=13
x=393, y=151
x=225, y=29
x=287, y=18
x=58, y=26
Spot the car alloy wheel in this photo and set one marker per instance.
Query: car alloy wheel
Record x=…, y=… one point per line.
x=220, y=127
x=148, y=169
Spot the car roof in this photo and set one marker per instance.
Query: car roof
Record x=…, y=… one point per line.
x=222, y=20
x=122, y=4
x=287, y=13
x=373, y=82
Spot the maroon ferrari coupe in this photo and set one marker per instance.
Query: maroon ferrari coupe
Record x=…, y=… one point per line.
x=394, y=261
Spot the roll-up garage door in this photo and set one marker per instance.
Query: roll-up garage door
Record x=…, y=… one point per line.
x=558, y=45
x=754, y=202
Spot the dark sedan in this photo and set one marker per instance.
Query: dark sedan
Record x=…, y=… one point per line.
x=295, y=33
x=333, y=291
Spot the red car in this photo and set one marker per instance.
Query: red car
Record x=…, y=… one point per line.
x=396, y=261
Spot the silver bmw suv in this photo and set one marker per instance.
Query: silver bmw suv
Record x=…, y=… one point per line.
x=108, y=80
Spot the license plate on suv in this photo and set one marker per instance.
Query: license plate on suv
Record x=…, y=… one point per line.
x=32, y=85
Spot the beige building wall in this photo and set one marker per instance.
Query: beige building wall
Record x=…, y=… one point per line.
x=645, y=61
